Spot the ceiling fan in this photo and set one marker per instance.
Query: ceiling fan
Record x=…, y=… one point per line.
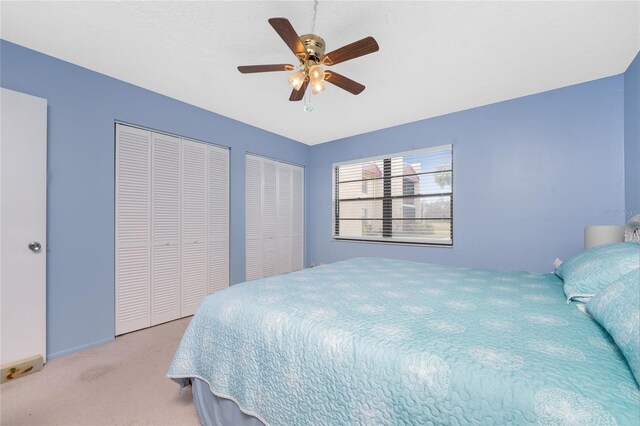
x=309, y=49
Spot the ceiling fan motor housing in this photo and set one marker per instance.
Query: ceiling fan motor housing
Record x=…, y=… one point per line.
x=315, y=46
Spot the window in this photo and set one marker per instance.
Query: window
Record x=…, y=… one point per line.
x=408, y=198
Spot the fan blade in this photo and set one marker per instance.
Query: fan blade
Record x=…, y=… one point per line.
x=351, y=51
x=344, y=82
x=247, y=69
x=285, y=30
x=297, y=95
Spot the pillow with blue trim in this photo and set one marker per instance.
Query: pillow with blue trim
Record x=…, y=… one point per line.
x=617, y=309
x=589, y=272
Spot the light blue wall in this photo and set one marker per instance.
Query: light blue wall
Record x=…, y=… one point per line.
x=529, y=174
x=632, y=137
x=82, y=108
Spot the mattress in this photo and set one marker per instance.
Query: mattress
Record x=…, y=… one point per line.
x=382, y=341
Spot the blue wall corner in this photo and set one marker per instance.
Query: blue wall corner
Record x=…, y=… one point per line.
x=632, y=137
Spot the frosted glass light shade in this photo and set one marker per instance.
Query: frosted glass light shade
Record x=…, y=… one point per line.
x=316, y=74
x=597, y=235
x=296, y=80
x=317, y=87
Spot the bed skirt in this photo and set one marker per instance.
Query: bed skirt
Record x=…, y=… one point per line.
x=214, y=410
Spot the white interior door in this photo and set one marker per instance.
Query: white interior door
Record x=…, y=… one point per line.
x=133, y=229
x=165, y=225
x=253, y=215
x=194, y=226
x=23, y=205
x=297, y=218
x=274, y=211
x=269, y=218
x=218, y=220
x=284, y=219
x=172, y=226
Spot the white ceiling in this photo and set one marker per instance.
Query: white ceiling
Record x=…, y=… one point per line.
x=434, y=58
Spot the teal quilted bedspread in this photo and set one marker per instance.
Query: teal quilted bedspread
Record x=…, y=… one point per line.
x=379, y=341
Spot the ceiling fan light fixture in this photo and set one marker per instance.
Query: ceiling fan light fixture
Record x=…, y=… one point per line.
x=309, y=51
x=316, y=74
x=317, y=87
x=296, y=80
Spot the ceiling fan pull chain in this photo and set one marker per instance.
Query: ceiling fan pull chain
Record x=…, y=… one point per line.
x=308, y=106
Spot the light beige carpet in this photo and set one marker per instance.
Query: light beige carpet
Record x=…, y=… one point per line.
x=119, y=383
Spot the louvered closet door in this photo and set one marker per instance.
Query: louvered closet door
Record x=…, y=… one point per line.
x=165, y=219
x=297, y=218
x=132, y=244
x=274, y=217
x=269, y=218
x=284, y=219
x=253, y=217
x=194, y=226
x=218, y=185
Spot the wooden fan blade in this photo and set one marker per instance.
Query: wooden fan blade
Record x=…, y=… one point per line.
x=247, y=69
x=297, y=95
x=285, y=30
x=344, y=82
x=351, y=51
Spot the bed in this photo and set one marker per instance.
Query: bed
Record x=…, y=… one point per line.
x=382, y=341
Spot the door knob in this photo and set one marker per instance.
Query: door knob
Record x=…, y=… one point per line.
x=35, y=246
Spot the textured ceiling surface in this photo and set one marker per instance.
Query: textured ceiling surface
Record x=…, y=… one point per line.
x=434, y=58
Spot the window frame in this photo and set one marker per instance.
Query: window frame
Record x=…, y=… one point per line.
x=386, y=190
